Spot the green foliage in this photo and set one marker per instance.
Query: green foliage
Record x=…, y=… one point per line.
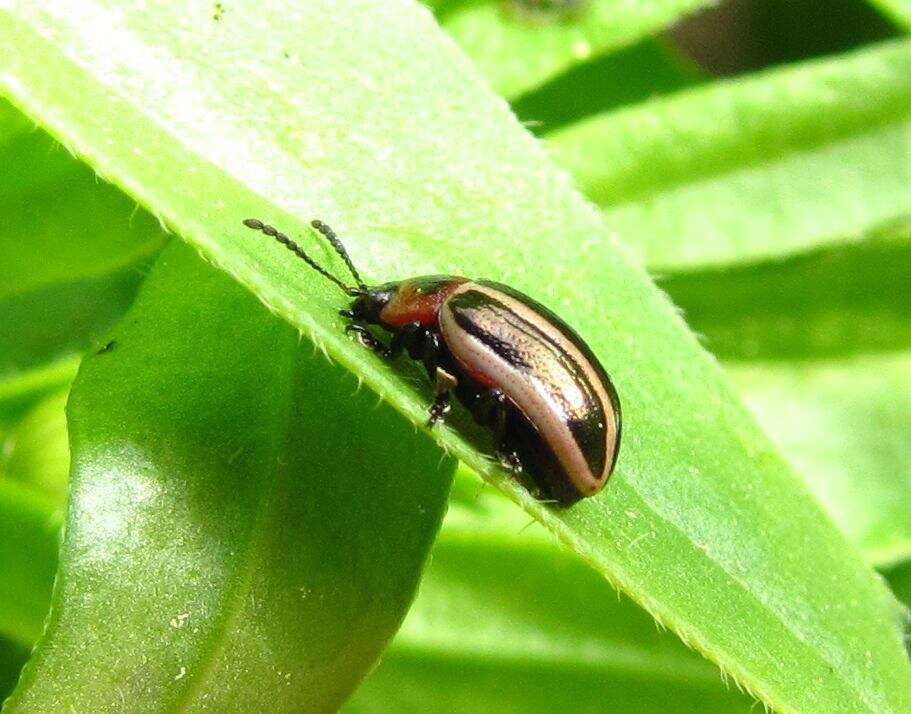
x=212, y=513
x=486, y=629
x=688, y=180
x=518, y=47
x=898, y=10
x=845, y=423
x=245, y=529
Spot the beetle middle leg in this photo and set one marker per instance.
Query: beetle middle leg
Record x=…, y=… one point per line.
x=402, y=338
x=428, y=349
x=367, y=339
x=445, y=383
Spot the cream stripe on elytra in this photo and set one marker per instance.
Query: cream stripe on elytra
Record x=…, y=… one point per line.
x=528, y=393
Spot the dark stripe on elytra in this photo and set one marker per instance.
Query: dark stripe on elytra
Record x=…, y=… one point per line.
x=473, y=324
x=468, y=309
x=570, y=334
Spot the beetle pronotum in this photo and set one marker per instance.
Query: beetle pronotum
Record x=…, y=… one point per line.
x=518, y=368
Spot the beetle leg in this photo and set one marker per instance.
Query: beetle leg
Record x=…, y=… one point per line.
x=347, y=313
x=510, y=461
x=431, y=353
x=367, y=339
x=445, y=383
x=498, y=417
x=508, y=458
x=403, y=336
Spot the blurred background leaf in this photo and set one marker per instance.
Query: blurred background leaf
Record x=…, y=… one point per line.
x=508, y=620
x=844, y=424
x=766, y=177
x=519, y=44
x=73, y=251
x=899, y=10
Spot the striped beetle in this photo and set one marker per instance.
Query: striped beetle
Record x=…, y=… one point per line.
x=518, y=368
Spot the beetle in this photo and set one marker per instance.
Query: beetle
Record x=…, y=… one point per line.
x=518, y=369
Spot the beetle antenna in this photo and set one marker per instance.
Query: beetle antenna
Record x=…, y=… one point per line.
x=340, y=249
x=272, y=232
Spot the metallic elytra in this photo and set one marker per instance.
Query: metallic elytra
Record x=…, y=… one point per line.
x=518, y=368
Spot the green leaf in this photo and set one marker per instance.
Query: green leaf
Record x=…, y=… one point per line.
x=12, y=657
x=29, y=530
x=899, y=579
x=763, y=166
x=73, y=255
x=632, y=74
x=35, y=452
x=366, y=116
x=20, y=390
x=844, y=424
x=518, y=48
x=842, y=300
x=507, y=620
x=898, y=10
x=213, y=515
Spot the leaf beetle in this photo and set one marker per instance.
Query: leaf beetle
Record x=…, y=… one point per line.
x=518, y=369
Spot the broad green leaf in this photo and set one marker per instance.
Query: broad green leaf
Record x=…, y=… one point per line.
x=29, y=530
x=518, y=48
x=508, y=621
x=898, y=10
x=762, y=166
x=213, y=514
x=844, y=424
x=365, y=115
x=846, y=299
x=12, y=123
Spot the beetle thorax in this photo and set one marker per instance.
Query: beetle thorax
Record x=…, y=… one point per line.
x=419, y=300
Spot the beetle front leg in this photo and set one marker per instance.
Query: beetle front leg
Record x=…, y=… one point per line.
x=367, y=339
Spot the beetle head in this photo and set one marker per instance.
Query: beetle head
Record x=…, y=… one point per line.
x=370, y=302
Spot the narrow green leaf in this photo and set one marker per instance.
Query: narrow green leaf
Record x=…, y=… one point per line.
x=19, y=390
x=508, y=621
x=843, y=300
x=518, y=48
x=364, y=114
x=221, y=552
x=633, y=74
x=844, y=424
x=757, y=167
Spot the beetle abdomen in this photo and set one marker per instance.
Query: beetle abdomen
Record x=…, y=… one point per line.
x=504, y=339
